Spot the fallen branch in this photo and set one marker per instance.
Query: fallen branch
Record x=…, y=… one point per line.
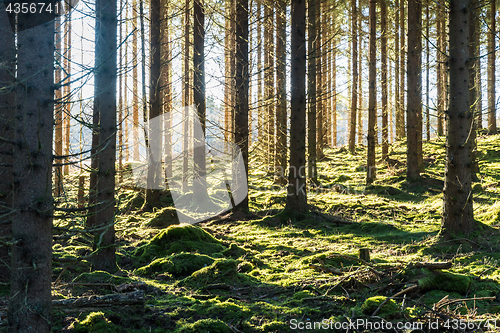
x=133, y=298
x=449, y=302
x=402, y=292
x=433, y=265
x=326, y=269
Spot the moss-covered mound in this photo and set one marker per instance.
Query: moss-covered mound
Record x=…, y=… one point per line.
x=95, y=322
x=447, y=281
x=164, y=218
x=221, y=271
x=181, y=264
x=390, y=308
x=206, y=325
x=178, y=239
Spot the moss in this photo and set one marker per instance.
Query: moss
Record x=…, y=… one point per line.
x=95, y=322
x=163, y=219
x=181, y=264
x=221, y=271
x=447, y=281
x=234, y=251
x=177, y=239
x=389, y=309
x=302, y=294
x=205, y=326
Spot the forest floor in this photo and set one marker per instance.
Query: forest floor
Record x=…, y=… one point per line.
x=267, y=272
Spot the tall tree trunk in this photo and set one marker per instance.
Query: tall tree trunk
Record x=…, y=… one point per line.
x=474, y=45
x=414, y=77
x=199, y=177
x=227, y=69
x=105, y=105
x=492, y=124
x=166, y=56
x=372, y=93
x=241, y=107
x=458, y=214
x=280, y=151
x=260, y=118
x=135, y=83
x=185, y=100
x=7, y=118
x=67, y=87
x=154, y=147
x=397, y=56
x=121, y=77
x=441, y=84
x=311, y=91
x=30, y=304
x=269, y=81
x=296, y=200
x=319, y=80
x=383, y=50
x=334, y=87
x=400, y=121
x=360, y=77
x=58, y=134
x=427, y=67
x=354, y=82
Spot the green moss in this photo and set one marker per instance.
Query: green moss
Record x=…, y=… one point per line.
x=164, y=218
x=447, y=281
x=221, y=271
x=390, y=308
x=181, y=264
x=234, y=251
x=95, y=322
x=302, y=294
x=177, y=239
x=205, y=326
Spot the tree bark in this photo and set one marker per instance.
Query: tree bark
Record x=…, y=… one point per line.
x=58, y=133
x=400, y=121
x=311, y=92
x=296, y=194
x=30, y=305
x=473, y=86
x=372, y=93
x=280, y=151
x=7, y=118
x=105, y=105
x=492, y=125
x=354, y=83
x=135, y=84
x=383, y=51
x=414, y=77
x=458, y=214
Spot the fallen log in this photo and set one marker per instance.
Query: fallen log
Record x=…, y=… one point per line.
x=433, y=265
x=132, y=298
x=326, y=269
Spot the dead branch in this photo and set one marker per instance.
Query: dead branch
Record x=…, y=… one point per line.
x=133, y=298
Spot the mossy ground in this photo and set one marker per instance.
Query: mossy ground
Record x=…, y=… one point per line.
x=251, y=273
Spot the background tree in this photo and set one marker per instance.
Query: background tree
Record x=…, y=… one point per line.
x=296, y=193
x=30, y=304
x=414, y=77
x=311, y=91
x=383, y=55
x=104, y=157
x=492, y=125
x=354, y=83
x=372, y=102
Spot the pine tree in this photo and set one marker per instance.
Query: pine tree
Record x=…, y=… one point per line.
x=311, y=91
x=372, y=94
x=354, y=82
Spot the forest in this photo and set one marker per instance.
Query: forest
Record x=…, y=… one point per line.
x=249, y=166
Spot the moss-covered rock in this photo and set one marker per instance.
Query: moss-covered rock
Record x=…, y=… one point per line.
x=181, y=264
x=447, y=281
x=178, y=239
x=389, y=309
x=221, y=271
x=95, y=322
x=163, y=219
x=234, y=251
x=206, y=325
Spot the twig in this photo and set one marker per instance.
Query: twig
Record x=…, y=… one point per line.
x=404, y=291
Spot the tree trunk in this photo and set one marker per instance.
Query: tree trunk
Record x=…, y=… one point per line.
x=58, y=133
x=227, y=69
x=7, y=118
x=241, y=107
x=269, y=81
x=383, y=50
x=30, y=304
x=280, y=151
x=397, y=104
x=185, y=101
x=260, y=118
x=473, y=87
x=492, y=125
x=354, y=83
x=67, y=87
x=135, y=84
x=297, y=196
x=414, y=77
x=360, y=77
x=334, y=89
x=311, y=91
x=427, y=67
x=105, y=105
x=372, y=93
x=319, y=80
x=458, y=214
x=441, y=58
x=400, y=121
x=154, y=147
